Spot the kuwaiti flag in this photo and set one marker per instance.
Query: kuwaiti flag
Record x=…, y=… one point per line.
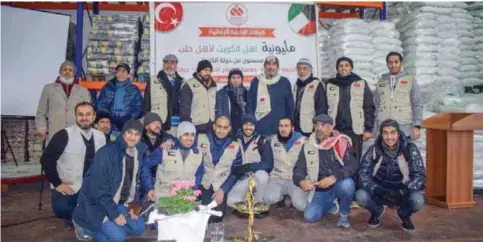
x=301, y=18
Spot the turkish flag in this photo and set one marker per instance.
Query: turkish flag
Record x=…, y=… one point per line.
x=167, y=15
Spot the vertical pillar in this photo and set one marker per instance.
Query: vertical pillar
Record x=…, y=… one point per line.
x=95, y=7
x=79, y=35
x=361, y=13
x=382, y=14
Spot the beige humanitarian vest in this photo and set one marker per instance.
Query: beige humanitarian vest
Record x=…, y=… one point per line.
x=307, y=105
x=357, y=100
x=203, y=102
x=217, y=175
x=395, y=103
x=159, y=99
x=173, y=168
x=401, y=163
x=284, y=161
x=251, y=154
x=263, y=96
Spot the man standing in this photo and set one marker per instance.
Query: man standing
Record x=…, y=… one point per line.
x=120, y=99
x=68, y=156
x=270, y=98
x=325, y=168
x=57, y=102
x=392, y=173
x=286, y=147
x=103, y=124
x=161, y=95
x=398, y=97
x=110, y=191
x=231, y=100
x=257, y=158
x=198, y=99
x=310, y=98
x=350, y=104
x=220, y=154
x=183, y=162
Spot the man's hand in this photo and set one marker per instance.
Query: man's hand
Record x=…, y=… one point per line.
x=43, y=134
x=367, y=135
x=218, y=196
x=65, y=189
x=120, y=220
x=167, y=145
x=151, y=195
x=306, y=185
x=132, y=214
x=327, y=182
x=416, y=134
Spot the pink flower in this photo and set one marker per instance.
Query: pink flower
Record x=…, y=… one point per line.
x=197, y=192
x=192, y=184
x=173, y=192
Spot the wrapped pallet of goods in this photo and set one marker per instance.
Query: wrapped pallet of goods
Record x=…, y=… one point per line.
x=476, y=10
x=113, y=40
x=323, y=46
x=143, y=56
x=385, y=38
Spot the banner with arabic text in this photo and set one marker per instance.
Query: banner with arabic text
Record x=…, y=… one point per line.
x=235, y=35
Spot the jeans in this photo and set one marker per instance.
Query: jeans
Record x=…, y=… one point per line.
x=111, y=232
x=239, y=191
x=277, y=188
x=63, y=205
x=411, y=203
x=323, y=201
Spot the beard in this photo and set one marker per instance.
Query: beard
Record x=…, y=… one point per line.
x=66, y=80
x=304, y=78
x=84, y=126
x=270, y=74
x=284, y=139
x=170, y=73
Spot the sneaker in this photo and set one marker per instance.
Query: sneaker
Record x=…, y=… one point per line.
x=335, y=208
x=375, y=219
x=80, y=233
x=406, y=223
x=343, y=221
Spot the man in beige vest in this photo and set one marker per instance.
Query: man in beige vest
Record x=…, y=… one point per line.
x=220, y=154
x=286, y=147
x=325, y=168
x=198, y=99
x=182, y=162
x=57, y=102
x=398, y=97
x=351, y=104
x=310, y=98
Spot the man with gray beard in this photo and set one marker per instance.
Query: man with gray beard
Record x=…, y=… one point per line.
x=57, y=102
x=310, y=98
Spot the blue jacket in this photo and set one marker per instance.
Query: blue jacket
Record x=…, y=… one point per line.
x=217, y=147
x=156, y=158
x=281, y=102
x=224, y=107
x=133, y=103
x=101, y=183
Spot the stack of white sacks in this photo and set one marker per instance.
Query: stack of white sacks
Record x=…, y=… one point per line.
x=351, y=38
x=323, y=47
x=476, y=10
x=385, y=38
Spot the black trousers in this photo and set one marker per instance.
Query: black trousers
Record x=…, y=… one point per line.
x=206, y=199
x=356, y=142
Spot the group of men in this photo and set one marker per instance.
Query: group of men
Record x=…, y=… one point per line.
x=303, y=143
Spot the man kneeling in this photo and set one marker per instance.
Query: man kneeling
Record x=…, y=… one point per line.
x=392, y=173
x=105, y=208
x=325, y=168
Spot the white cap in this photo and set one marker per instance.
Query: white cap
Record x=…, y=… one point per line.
x=185, y=127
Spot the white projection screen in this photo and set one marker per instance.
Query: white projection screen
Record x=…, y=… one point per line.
x=33, y=47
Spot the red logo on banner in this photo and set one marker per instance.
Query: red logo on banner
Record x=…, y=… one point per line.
x=167, y=16
x=237, y=14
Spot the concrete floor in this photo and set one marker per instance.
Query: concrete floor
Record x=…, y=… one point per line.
x=20, y=204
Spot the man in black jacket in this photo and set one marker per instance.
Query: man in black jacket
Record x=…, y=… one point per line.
x=162, y=94
x=154, y=136
x=325, y=168
x=103, y=124
x=392, y=173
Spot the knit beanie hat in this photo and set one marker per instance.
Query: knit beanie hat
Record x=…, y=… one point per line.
x=248, y=118
x=134, y=125
x=185, y=127
x=235, y=71
x=101, y=115
x=343, y=58
x=151, y=117
x=304, y=61
x=271, y=58
x=203, y=65
x=324, y=118
x=66, y=63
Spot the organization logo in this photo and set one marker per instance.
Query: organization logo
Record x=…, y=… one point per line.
x=167, y=16
x=236, y=14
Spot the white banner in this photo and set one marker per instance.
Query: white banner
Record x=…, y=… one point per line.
x=234, y=35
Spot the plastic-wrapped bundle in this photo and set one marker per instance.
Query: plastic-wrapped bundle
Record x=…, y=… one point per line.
x=385, y=38
x=144, y=51
x=324, y=58
x=351, y=38
x=476, y=10
x=113, y=39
